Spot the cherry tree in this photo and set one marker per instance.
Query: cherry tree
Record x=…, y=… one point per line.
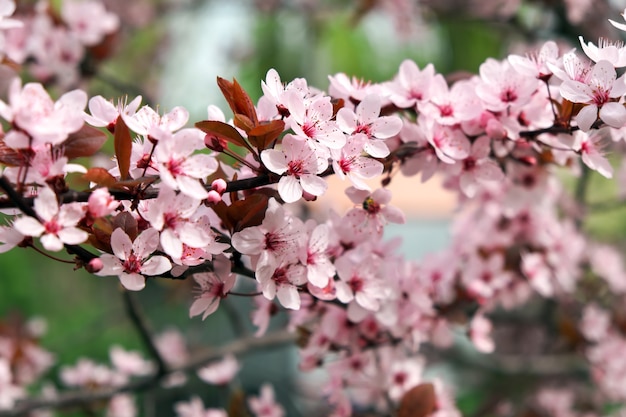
x=215, y=202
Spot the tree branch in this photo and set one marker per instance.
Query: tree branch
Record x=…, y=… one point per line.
x=239, y=347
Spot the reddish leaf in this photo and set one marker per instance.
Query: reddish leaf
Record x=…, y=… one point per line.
x=86, y=142
x=123, y=147
x=223, y=131
x=244, y=103
x=100, y=176
x=262, y=135
x=243, y=122
x=242, y=213
x=419, y=401
x=238, y=100
x=128, y=223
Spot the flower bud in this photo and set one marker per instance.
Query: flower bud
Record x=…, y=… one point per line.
x=219, y=185
x=94, y=265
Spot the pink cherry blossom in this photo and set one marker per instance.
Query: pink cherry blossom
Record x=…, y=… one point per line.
x=601, y=86
x=477, y=168
x=130, y=363
x=56, y=226
x=88, y=20
x=273, y=240
x=373, y=211
x=213, y=287
x=195, y=408
x=101, y=203
x=9, y=391
x=176, y=217
x=265, y=405
x=9, y=238
x=104, y=113
x=282, y=282
x=44, y=121
x=412, y=85
x=131, y=260
x=350, y=162
x=589, y=148
x=606, y=50
x=367, y=120
x=221, y=372
x=312, y=119
x=146, y=118
x=451, y=105
x=300, y=164
x=315, y=257
x=502, y=87
x=179, y=167
x=536, y=64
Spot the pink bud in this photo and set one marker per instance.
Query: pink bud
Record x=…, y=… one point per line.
x=214, y=197
x=214, y=143
x=95, y=265
x=219, y=185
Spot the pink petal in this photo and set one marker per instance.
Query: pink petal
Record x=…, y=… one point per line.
x=51, y=242
x=288, y=297
x=586, y=117
x=156, y=265
x=613, y=114
x=376, y=148
x=289, y=189
x=368, y=110
x=121, y=244
x=72, y=235
x=28, y=226
x=46, y=204
x=313, y=184
x=346, y=120
x=274, y=160
x=146, y=243
x=132, y=282
x=386, y=127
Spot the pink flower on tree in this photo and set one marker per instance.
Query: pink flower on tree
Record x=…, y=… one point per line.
x=478, y=168
x=301, y=166
x=367, y=120
x=350, y=162
x=131, y=260
x=104, y=113
x=179, y=167
x=265, y=405
x=599, y=92
x=589, y=147
x=213, y=287
x=412, y=85
x=88, y=20
x=56, y=226
x=373, y=211
x=144, y=120
x=503, y=88
x=273, y=240
x=606, y=50
x=220, y=373
x=312, y=119
x=315, y=257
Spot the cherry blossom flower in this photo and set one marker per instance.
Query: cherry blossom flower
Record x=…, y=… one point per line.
x=130, y=363
x=477, y=168
x=612, y=51
x=175, y=216
x=451, y=105
x=121, y=405
x=480, y=333
x=536, y=64
x=412, y=85
x=9, y=238
x=131, y=260
x=9, y=392
x=265, y=405
x=349, y=162
x=56, y=226
x=146, y=118
x=314, y=256
x=367, y=120
x=502, y=87
x=213, y=287
x=300, y=164
x=373, y=211
x=179, y=168
x=87, y=373
x=101, y=203
x=221, y=372
x=403, y=375
x=276, y=93
x=347, y=88
x=590, y=151
x=312, y=120
x=195, y=408
x=88, y=20
x=449, y=144
x=273, y=240
x=46, y=122
x=282, y=282
x=597, y=92
x=104, y=113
